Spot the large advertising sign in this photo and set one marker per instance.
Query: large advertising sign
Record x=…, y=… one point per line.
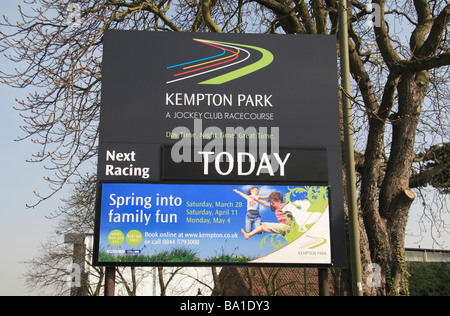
x=214, y=223
x=219, y=149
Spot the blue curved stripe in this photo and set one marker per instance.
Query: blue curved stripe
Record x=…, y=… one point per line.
x=191, y=62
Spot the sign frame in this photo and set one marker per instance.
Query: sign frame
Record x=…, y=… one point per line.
x=136, y=152
x=97, y=262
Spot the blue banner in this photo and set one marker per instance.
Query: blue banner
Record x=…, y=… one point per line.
x=149, y=223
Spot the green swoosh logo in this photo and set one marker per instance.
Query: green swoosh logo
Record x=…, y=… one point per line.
x=266, y=60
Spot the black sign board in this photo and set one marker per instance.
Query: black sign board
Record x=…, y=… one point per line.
x=199, y=108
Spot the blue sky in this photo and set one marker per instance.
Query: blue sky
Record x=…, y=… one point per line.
x=22, y=230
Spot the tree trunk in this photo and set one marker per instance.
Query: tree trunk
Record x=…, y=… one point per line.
x=386, y=231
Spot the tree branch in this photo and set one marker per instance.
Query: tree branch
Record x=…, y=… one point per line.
x=148, y=6
x=361, y=76
x=307, y=20
x=423, y=26
x=206, y=11
x=277, y=7
x=283, y=12
x=426, y=63
x=320, y=16
x=435, y=168
x=382, y=37
x=437, y=31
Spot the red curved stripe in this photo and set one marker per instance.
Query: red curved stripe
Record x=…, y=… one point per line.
x=220, y=47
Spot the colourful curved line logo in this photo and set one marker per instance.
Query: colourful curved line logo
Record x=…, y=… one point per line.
x=229, y=54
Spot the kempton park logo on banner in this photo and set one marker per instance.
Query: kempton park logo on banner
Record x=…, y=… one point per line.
x=228, y=55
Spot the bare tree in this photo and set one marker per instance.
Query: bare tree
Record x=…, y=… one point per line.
x=59, y=269
x=399, y=65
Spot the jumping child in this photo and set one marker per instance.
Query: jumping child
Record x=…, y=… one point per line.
x=253, y=218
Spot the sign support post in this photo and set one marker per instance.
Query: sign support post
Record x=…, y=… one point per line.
x=324, y=285
x=349, y=151
x=110, y=281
